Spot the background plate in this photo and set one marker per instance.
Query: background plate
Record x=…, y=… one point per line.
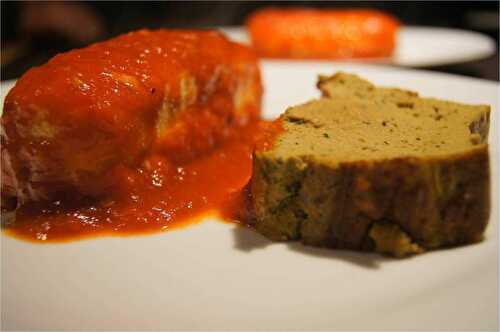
x=421, y=46
x=215, y=275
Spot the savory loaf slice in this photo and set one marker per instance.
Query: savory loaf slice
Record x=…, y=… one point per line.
x=375, y=169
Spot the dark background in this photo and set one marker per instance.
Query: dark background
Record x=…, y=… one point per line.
x=32, y=32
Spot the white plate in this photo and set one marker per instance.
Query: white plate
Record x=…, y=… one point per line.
x=220, y=276
x=422, y=46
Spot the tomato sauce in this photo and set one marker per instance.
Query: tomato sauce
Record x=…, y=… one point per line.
x=71, y=121
x=160, y=195
x=142, y=133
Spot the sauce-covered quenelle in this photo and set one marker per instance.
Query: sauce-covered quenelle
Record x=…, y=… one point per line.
x=133, y=134
x=68, y=125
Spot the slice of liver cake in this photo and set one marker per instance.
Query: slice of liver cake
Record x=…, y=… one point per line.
x=370, y=168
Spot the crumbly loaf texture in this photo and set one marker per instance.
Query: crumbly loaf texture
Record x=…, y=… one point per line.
x=377, y=169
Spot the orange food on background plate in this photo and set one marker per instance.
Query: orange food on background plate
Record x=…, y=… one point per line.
x=322, y=34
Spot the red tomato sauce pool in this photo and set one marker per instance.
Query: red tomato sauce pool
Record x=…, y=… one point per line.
x=159, y=196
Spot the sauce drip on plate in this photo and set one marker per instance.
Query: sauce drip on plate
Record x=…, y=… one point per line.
x=158, y=196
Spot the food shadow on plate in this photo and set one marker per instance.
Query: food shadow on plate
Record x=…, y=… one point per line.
x=248, y=240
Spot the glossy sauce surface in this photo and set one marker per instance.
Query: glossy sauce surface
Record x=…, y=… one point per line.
x=141, y=133
x=70, y=122
x=158, y=196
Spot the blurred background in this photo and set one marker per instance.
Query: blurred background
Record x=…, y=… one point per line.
x=33, y=32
